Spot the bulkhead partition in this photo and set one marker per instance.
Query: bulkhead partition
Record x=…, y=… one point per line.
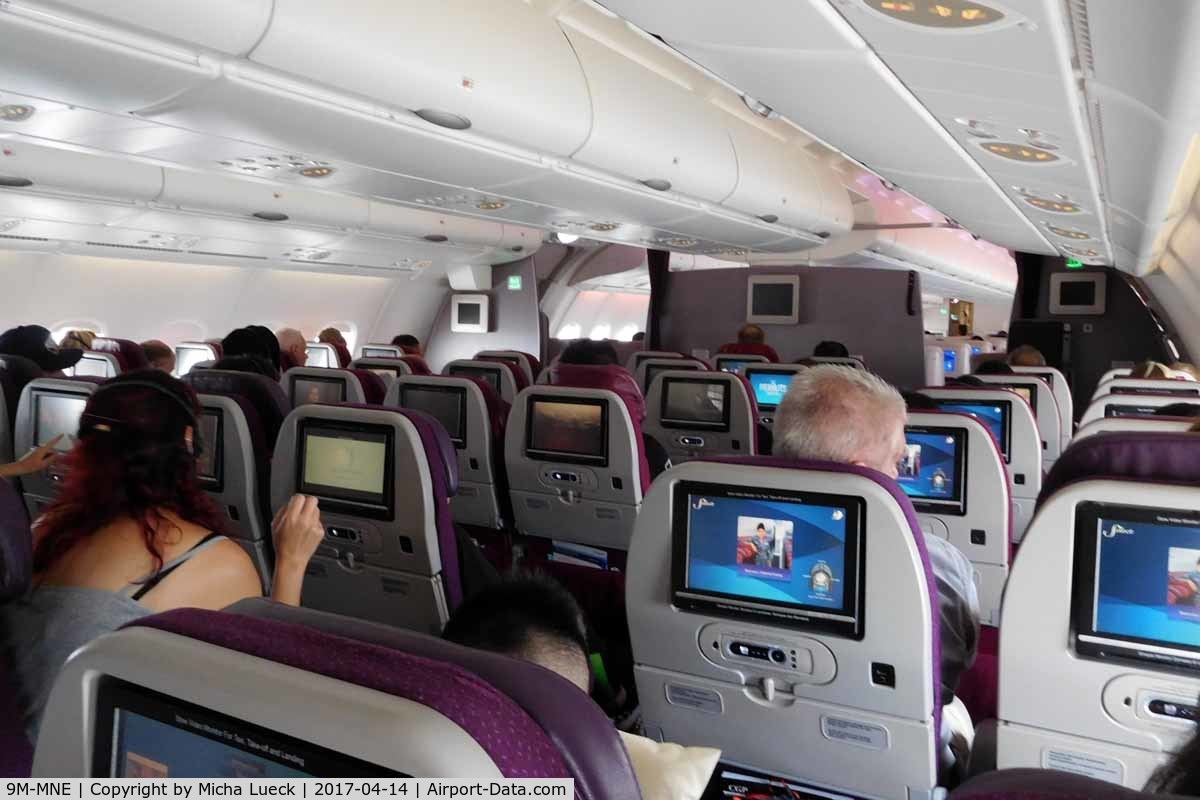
x=700, y=414
x=955, y=476
x=385, y=547
x=1020, y=439
x=574, y=465
x=814, y=659
x=459, y=406
x=1098, y=665
x=48, y=407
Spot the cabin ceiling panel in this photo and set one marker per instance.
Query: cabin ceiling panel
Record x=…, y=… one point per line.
x=793, y=25
x=16, y=203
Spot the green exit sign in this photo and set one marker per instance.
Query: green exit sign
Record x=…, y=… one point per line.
x=1074, y=263
x=514, y=283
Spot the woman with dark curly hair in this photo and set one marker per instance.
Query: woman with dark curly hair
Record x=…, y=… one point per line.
x=132, y=534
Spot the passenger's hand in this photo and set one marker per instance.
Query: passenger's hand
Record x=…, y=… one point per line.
x=35, y=460
x=297, y=530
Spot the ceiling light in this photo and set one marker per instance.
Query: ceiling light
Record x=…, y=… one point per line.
x=657, y=184
x=490, y=205
x=13, y=182
x=443, y=119
x=942, y=14
x=566, y=238
x=1026, y=153
x=604, y=227
x=1067, y=233
x=16, y=113
x=315, y=172
x=437, y=238
x=1054, y=206
x=271, y=216
x=758, y=106
x=677, y=241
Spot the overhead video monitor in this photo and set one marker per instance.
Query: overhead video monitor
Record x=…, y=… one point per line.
x=491, y=375
x=140, y=733
x=933, y=470
x=1136, y=586
x=652, y=371
x=188, y=357
x=1129, y=410
x=1078, y=294
x=773, y=299
x=446, y=404
x=381, y=351
x=55, y=415
x=784, y=557
x=210, y=463
x=695, y=403
x=318, y=390
x=349, y=465
x=1179, y=391
x=949, y=359
x=996, y=415
x=769, y=386
x=574, y=430
x=469, y=313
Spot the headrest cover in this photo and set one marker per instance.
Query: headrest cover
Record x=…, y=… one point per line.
x=16, y=544
x=374, y=389
x=1151, y=457
x=603, y=376
x=264, y=394
x=736, y=348
x=130, y=354
x=417, y=365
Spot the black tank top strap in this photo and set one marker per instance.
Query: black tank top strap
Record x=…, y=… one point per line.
x=144, y=586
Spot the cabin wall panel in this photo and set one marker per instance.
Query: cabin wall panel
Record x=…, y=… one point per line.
x=866, y=309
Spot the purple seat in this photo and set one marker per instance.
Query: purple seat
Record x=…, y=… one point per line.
x=580, y=738
x=264, y=395
x=614, y=379
x=417, y=365
x=129, y=354
x=1044, y=784
x=1156, y=457
x=374, y=389
x=16, y=573
x=15, y=372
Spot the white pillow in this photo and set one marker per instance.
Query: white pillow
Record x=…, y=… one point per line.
x=667, y=771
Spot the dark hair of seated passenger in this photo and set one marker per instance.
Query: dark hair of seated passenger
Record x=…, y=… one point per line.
x=994, y=366
x=831, y=349
x=406, y=340
x=917, y=401
x=1178, y=410
x=507, y=617
x=1181, y=775
x=271, y=343
x=248, y=363
x=965, y=380
x=640, y=336
x=247, y=341
x=977, y=338
x=586, y=351
x=132, y=459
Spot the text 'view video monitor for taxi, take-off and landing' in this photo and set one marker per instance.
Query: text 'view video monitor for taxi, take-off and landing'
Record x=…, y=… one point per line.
x=1136, y=590
x=785, y=557
x=996, y=415
x=932, y=472
x=140, y=733
x=567, y=429
x=769, y=386
x=695, y=403
x=348, y=467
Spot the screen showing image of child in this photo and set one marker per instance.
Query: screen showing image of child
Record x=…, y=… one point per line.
x=1183, y=582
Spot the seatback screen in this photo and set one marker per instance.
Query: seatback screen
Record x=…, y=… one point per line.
x=1130, y=411
x=996, y=415
x=567, y=429
x=346, y=463
x=933, y=470
x=56, y=414
x=695, y=403
x=489, y=374
x=786, y=557
x=93, y=367
x=769, y=387
x=446, y=404
x=140, y=733
x=652, y=371
x=1160, y=390
x=318, y=390
x=949, y=360
x=732, y=365
x=1027, y=391
x=210, y=462
x=188, y=357
x=381, y=352
x=318, y=357
x=1136, y=591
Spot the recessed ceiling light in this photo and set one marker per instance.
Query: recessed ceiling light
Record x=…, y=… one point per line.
x=443, y=119
x=758, y=106
x=316, y=172
x=604, y=227
x=437, y=238
x=490, y=205
x=940, y=14
x=677, y=242
x=566, y=238
x=1068, y=233
x=1054, y=206
x=657, y=184
x=16, y=113
x=1025, y=153
x=13, y=182
x=271, y=216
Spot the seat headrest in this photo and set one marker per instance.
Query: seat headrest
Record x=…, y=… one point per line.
x=16, y=544
x=443, y=458
x=374, y=389
x=15, y=372
x=343, y=354
x=765, y=350
x=519, y=377
x=264, y=394
x=417, y=365
x=497, y=409
x=603, y=376
x=1151, y=457
x=1044, y=784
x=129, y=354
x=583, y=736
x=535, y=364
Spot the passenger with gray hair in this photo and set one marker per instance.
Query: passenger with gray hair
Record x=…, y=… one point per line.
x=850, y=416
x=293, y=350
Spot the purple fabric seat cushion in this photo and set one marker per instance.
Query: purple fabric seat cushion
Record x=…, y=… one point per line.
x=1150, y=457
x=1044, y=784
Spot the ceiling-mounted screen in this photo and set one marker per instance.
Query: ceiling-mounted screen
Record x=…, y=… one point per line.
x=773, y=299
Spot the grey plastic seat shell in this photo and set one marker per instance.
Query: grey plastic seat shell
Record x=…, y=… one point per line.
x=40, y=488
x=389, y=368
x=695, y=693
x=321, y=355
x=1148, y=385
x=522, y=361
x=722, y=358
x=685, y=443
x=1098, y=407
x=1139, y=424
x=477, y=501
x=209, y=353
x=1062, y=396
x=661, y=364
x=508, y=384
x=98, y=365
x=1048, y=415
x=591, y=510
x=393, y=574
